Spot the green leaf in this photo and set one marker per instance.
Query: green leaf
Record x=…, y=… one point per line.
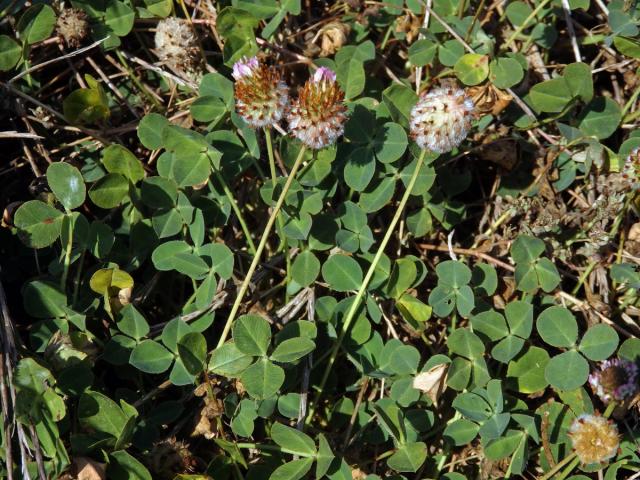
x=599, y=342
x=399, y=99
x=342, y=273
x=324, y=458
x=526, y=249
x=422, y=52
x=119, y=17
x=567, y=371
x=520, y=318
x=472, y=68
x=390, y=142
x=38, y=224
x=551, y=96
x=86, y=106
x=105, y=279
x=490, y=323
x=293, y=349
x=600, y=118
x=404, y=360
x=263, y=379
x=67, y=184
x=579, y=80
x=36, y=24
x=409, y=457
x=465, y=343
x=192, y=350
x=228, y=361
x=507, y=348
x=42, y=299
x=461, y=431
x=292, y=440
x=133, y=323
x=505, y=72
x=151, y=357
x=453, y=273
x=187, y=169
x=252, y=335
x=99, y=413
x=305, y=268
x=118, y=159
x=109, y=191
x=10, y=53
x=558, y=327
x=293, y=470
x=150, y=130
x=123, y=466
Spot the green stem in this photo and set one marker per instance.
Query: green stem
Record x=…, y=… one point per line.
x=67, y=254
x=270, y=448
x=236, y=209
x=628, y=105
x=569, y=469
x=261, y=245
x=361, y=291
x=524, y=24
x=558, y=467
x=583, y=277
x=274, y=180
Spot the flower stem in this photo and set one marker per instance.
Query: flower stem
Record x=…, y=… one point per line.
x=236, y=209
x=361, y=291
x=67, y=253
x=260, y=249
x=559, y=466
x=274, y=180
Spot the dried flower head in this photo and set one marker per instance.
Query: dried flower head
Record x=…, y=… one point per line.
x=631, y=170
x=317, y=117
x=441, y=119
x=616, y=379
x=261, y=96
x=72, y=26
x=177, y=47
x=595, y=439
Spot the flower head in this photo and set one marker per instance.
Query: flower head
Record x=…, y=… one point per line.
x=317, y=117
x=595, y=439
x=245, y=68
x=177, y=47
x=261, y=97
x=441, y=119
x=72, y=26
x=616, y=379
x=631, y=170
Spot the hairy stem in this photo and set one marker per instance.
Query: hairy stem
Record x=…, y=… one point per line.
x=238, y=212
x=360, y=294
x=260, y=249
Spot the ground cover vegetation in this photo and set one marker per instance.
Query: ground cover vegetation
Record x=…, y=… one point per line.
x=285, y=239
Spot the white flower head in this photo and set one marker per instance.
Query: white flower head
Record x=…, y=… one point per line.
x=441, y=119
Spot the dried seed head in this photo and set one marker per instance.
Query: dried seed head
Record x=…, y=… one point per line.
x=631, y=170
x=441, y=119
x=595, y=439
x=317, y=117
x=616, y=379
x=177, y=47
x=72, y=26
x=261, y=97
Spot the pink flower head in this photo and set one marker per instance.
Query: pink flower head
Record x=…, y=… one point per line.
x=245, y=67
x=616, y=379
x=317, y=116
x=324, y=74
x=261, y=96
